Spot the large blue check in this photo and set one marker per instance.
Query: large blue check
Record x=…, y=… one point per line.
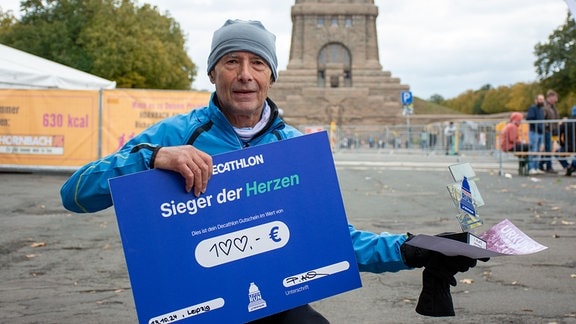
x=269, y=234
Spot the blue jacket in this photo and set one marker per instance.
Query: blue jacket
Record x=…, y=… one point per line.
x=208, y=130
x=536, y=114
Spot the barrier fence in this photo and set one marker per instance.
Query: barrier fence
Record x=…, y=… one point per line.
x=469, y=137
x=541, y=144
x=65, y=129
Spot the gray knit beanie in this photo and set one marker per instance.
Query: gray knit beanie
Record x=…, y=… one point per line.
x=241, y=35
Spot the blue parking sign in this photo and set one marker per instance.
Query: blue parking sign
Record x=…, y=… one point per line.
x=406, y=98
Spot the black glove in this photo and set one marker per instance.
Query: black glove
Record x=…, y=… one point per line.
x=435, y=298
x=416, y=257
x=437, y=277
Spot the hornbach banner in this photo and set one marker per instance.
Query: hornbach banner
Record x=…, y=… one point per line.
x=69, y=128
x=48, y=127
x=128, y=112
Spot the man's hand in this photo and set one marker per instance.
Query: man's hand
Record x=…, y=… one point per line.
x=416, y=257
x=437, y=277
x=194, y=165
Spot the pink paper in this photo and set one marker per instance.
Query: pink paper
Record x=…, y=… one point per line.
x=502, y=239
x=506, y=238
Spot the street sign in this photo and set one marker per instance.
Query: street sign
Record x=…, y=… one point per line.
x=407, y=110
x=407, y=98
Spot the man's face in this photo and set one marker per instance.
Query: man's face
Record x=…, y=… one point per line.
x=540, y=100
x=242, y=80
x=552, y=99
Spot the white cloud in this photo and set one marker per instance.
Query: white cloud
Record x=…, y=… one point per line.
x=449, y=46
x=437, y=47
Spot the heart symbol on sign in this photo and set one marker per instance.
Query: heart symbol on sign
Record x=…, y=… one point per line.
x=225, y=246
x=240, y=243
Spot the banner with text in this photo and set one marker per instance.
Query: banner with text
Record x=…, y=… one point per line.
x=128, y=112
x=270, y=234
x=48, y=127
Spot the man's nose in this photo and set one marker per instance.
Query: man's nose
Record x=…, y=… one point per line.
x=245, y=71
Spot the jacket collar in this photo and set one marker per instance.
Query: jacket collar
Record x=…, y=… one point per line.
x=220, y=118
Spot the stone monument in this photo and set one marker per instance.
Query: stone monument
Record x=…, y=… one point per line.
x=334, y=76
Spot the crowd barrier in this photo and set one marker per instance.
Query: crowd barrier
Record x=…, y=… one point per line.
x=551, y=146
x=479, y=138
x=65, y=129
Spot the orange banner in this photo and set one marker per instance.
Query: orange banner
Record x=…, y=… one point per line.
x=128, y=112
x=48, y=127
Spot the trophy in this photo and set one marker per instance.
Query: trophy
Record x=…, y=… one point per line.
x=467, y=199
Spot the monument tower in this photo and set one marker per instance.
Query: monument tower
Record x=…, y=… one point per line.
x=334, y=74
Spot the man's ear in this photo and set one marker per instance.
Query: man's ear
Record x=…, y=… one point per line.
x=211, y=77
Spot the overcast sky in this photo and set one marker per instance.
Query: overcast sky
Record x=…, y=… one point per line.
x=440, y=47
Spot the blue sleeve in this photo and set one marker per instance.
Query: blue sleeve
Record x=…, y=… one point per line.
x=378, y=252
x=87, y=190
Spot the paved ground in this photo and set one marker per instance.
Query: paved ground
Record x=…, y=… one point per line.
x=58, y=267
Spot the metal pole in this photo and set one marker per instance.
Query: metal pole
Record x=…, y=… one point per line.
x=408, y=143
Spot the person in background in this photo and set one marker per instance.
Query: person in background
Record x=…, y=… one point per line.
x=510, y=136
x=550, y=130
x=424, y=140
x=243, y=66
x=449, y=133
x=535, y=116
x=567, y=140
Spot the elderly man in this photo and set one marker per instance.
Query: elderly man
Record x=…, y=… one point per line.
x=243, y=66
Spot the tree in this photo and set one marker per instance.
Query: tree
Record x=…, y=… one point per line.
x=135, y=46
x=462, y=102
x=556, y=62
x=521, y=96
x=436, y=98
x=7, y=19
x=494, y=100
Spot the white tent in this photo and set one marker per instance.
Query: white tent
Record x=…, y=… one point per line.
x=21, y=70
